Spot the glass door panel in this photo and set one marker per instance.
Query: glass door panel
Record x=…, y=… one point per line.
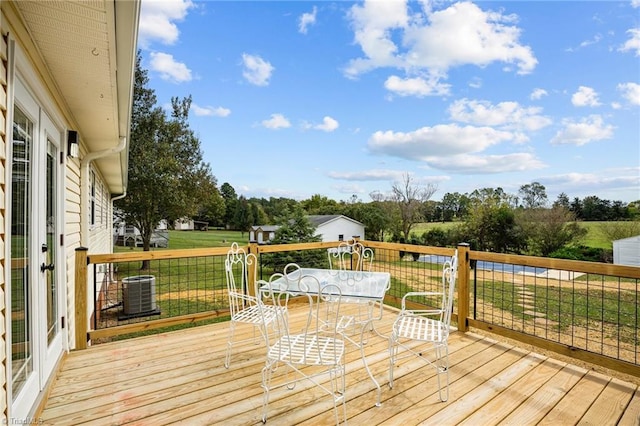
x=51, y=218
x=21, y=236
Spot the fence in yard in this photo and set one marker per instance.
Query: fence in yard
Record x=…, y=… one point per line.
x=585, y=310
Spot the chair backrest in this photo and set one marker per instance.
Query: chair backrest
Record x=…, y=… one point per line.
x=237, y=266
x=449, y=275
x=351, y=255
x=322, y=303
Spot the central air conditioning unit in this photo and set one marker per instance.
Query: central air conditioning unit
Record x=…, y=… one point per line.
x=139, y=294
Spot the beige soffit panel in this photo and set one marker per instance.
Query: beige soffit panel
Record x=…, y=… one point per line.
x=78, y=43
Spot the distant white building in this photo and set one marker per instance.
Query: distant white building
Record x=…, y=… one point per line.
x=262, y=233
x=627, y=251
x=335, y=227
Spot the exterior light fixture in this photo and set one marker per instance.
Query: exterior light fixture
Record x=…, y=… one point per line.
x=73, y=147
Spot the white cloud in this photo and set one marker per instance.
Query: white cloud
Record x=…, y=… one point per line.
x=169, y=68
x=633, y=44
x=431, y=42
x=630, y=92
x=349, y=189
x=588, y=130
x=486, y=164
x=328, y=124
x=596, y=39
x=416, y=86
x=277, y=121
x=372, y=22
x=635, y=3
x=475, y=83
x=441, y=140
x=509, y=115
x=157, y=20
x=537, y=94
x=368, y=175
x=209, y=111
x=585, y=96
x=592, y=182
x=307, y=19
x=256, y=70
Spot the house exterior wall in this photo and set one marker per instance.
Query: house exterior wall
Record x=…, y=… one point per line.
x=627, y=251
x=331, y=231
x=100, y=233
x=183, y=225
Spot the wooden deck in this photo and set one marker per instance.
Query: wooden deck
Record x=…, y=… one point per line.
x=179, y=378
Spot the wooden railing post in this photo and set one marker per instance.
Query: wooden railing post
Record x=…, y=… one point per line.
x=80, y=285
x=464, y=266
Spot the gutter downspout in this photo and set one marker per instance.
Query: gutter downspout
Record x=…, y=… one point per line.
x=84, y=188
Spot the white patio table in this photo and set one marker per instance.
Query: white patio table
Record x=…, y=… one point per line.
x=364, y=285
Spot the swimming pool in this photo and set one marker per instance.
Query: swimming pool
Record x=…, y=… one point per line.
x=490, y=266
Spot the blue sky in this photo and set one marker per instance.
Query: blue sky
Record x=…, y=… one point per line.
x=297, y=98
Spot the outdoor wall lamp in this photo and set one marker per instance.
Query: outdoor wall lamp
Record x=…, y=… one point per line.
x=73, y=147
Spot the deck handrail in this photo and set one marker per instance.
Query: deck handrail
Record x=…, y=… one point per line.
x=467, y=299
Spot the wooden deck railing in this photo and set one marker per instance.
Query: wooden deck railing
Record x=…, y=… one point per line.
x=585, y=310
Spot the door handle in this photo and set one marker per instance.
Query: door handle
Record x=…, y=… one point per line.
x=48, y=267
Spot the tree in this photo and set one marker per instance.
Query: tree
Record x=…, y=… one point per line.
x=547, y=230
x=491, y=226
x=533, y=195
x=372, y=215
x=213, y=208
x=408, y=198
x=294, y=227
x=243, y=218
x=231, y=203
x=319, y=204
x=562, y=201
x=167, y=177
x=258, y=214
x=619, y=230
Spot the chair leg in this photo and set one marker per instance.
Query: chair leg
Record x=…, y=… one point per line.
x=338, y=387
x=267, y=372
x=393, y=352
x=227, y=358
x=442, y=368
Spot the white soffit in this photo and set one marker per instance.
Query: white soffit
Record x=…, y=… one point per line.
x=78, y=43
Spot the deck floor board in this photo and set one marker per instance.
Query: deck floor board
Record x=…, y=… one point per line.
x=179, y=378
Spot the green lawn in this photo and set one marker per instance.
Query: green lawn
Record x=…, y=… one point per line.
x=200, y=239
x=595, y=238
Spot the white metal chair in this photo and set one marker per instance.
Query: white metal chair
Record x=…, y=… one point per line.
x=428, y=326
x=315, y=351
x=244, y=307
x=353, y=255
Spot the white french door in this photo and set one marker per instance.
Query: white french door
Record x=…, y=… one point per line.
x=36, y=341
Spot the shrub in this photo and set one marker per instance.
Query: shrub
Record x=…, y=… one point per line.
x=584, y=253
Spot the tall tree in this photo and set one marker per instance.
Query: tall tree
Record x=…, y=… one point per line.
x=562, y=201
x=166, y=173
x=243, y=218
x=408, y=197
x=534, y=195
x=231, y=203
